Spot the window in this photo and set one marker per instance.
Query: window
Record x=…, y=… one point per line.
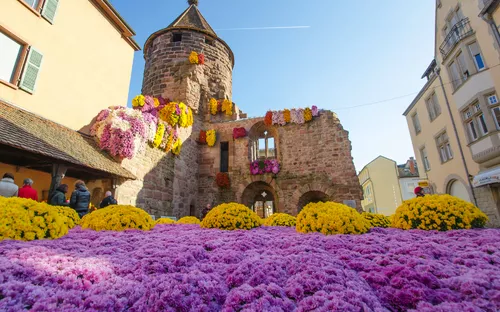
x=472, y=130
x=209, y=41
x=262, y=145
x=496, y=116
x=495, y=111
x=492, y=99
x=425, y=159
x=475, y=120
x=416, y=123
x=224, y=157
x=482, y=124
x=49, y=10
x=177, y=37
x=33, y=3
x=10, y=53
x=444, y=147
x=476, y=55
x=458, y=71
x=433, y=107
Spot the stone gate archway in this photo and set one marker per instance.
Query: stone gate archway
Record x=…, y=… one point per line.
x=311, y=197
x=261, y=198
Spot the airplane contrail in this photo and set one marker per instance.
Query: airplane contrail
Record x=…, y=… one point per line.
x=266, y=28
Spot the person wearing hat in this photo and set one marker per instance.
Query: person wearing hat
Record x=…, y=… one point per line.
x=419, y=191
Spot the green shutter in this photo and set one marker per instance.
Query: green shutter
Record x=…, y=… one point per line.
x=49, y=10
x=31, y=70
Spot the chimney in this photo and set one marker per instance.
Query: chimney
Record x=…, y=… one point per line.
x=412, y=166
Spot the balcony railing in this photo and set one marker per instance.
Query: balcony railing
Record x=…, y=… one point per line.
x=458, y=32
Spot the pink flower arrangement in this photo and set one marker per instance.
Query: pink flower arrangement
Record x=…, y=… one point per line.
x=264, y=166
x=315, y=111
x=201, y=59
x=297, y=116
x=239, y=133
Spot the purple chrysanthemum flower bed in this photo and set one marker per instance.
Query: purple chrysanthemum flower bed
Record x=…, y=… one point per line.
x=185, y=268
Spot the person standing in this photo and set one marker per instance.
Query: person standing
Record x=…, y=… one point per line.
x=59, y=196
x=80, y=199
x=7, y=186
x=108, y=200
x=27, y=191
x=205, y=211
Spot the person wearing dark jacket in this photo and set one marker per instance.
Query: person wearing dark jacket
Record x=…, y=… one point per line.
x=58, y=198
x=108, y=200
x=80, y=199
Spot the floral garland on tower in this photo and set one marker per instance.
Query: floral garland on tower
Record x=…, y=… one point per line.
x=220, y=106
x=211, y=137
x=258, y=167
x=124, y=132
x=196, y=58
x=296, y=116
x=121, y=131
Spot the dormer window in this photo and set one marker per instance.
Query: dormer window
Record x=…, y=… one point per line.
x=177, y=37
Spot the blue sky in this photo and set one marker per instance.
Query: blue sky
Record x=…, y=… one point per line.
x=354, y=53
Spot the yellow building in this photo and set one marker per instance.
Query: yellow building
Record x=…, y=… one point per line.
x=386, y=185
x=454, y=121
x=61, y=62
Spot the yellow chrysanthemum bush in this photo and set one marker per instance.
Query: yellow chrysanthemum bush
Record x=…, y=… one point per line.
x=25, y=219
x=189, y=220
x=165, y=221
x=118, y=218
x=438, y=212
x=71, y=215
x=231, y=216
x=280, y=219
x=377, y=220
x=331, y=218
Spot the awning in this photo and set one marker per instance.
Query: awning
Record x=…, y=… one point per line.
x=487, y=177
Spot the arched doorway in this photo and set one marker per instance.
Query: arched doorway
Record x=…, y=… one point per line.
x=458, y=189
x=311, y=197
x=261, y=198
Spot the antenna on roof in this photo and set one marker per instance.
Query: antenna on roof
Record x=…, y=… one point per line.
x=193, y=2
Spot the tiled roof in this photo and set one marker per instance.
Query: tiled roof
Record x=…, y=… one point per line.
x=29, y=132
x=192, y=19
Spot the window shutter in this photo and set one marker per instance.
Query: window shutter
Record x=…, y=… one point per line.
x=49, y=10
x=31, y=70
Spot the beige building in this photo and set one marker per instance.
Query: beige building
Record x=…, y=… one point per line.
x=64, y=60
x=386, y=185
x=454, y=121
x=61, y=62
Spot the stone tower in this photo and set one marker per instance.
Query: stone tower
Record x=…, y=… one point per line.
x=169, y=74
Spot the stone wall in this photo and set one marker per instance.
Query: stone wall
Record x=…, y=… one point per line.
x=315, y=162
x=153, y=188
x=168, y=72
x=487, y=201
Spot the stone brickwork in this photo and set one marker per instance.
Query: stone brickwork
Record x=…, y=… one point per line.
x=154, y=187
x=315, y=162
x=168, y=71
x=315, y=157
x=488, y=203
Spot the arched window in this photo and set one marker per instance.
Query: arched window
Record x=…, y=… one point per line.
x=262, y=142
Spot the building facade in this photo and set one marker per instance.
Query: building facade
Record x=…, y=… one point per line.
x=315, y=158
x=386, y=185
x=454, y=121
x=61, y=62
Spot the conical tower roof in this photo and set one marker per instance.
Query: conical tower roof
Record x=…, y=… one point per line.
x=191, y=18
